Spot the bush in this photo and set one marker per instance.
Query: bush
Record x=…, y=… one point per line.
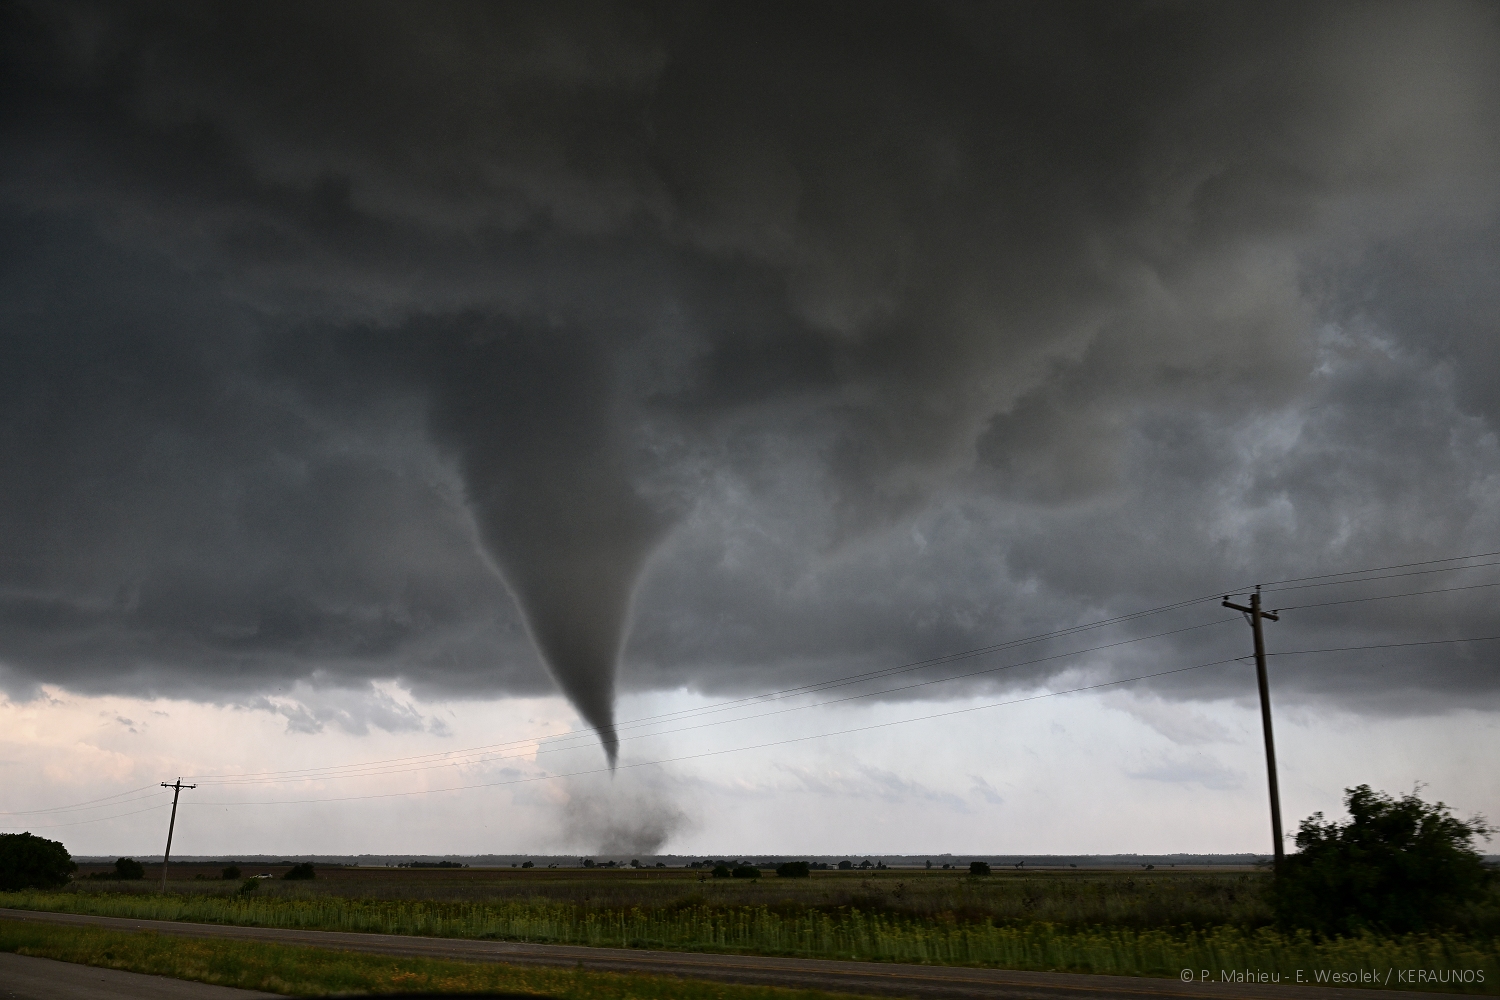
x=746, y=871
x=29, y=862
x=231, y=873
x=300, y=873
x=126, y=870
x=1398, y=865
x=794, y=869
x=979, y=867
x=722, y=871
x=250, y=884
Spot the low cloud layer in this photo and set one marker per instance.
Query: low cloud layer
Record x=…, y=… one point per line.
x=468, y=346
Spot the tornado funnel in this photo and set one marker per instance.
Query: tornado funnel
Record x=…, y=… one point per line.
x=571, y=562
x=532, y=416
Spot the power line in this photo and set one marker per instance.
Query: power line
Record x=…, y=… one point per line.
x=1387, y=576
x=818, y=736
x=495, y=752
x=1384, y=645
x=1387, y=597
x=99, y=819
x=1382, y=569
x=573, y=739
x=726, y=705
x=715, y=753
x=80, y=805
x=1361, y=575
x=747, y=718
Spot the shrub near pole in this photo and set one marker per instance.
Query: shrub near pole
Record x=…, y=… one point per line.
x=1398, y=865
x=31, y=862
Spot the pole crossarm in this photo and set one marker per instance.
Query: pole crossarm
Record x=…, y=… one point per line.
x=1250, y=611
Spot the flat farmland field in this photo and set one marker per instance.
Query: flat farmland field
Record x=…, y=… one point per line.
x=1076, y=898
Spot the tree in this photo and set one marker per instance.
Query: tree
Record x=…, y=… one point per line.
x=129, y=870
x=979, y=867
x=300, y=872
x=30, y=862
x=231, y=873
x=746, y=871
x=794, y=869
x=722, y=871
x=1397, y=865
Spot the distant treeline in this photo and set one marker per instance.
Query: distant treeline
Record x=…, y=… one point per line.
x=764, y=860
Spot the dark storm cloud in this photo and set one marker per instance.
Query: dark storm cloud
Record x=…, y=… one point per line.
x=777, y=341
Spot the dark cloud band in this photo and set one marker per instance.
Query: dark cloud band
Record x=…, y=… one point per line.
x=365, y=342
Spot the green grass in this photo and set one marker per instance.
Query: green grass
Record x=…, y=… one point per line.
x=841, y=933
x=1072, y=899
x=304, y=971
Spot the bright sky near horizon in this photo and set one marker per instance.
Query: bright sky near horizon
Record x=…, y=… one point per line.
x=1087, y=773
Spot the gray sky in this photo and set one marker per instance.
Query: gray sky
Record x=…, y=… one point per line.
x=353, y=345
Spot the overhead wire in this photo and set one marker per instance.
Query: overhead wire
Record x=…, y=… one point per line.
x=715, y=753
x=815, y=736
x=496, y=753
x=79, y=805
x=1372, y=579
x=1383, y=645
x=782, y=693
x=448, y=758
x=97, y=819
x=1380, y=569
x=749, y=718
x=585, y=736
x=1387, y=597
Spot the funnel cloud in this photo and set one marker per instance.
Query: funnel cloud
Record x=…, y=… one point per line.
x=532, y=416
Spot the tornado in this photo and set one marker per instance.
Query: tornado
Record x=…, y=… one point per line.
x=535, y=419
x=571, y=553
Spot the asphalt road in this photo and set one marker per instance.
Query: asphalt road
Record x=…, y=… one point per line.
x=26, y=978
x=868, y=978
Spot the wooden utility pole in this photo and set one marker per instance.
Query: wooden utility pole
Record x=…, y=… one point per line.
x=176, y=791
x=1256, y=614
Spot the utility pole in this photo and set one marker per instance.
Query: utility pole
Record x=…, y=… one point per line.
x=1256, y=614
x=176, y=791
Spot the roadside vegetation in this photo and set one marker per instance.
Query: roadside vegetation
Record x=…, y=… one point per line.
x=801, y=930
x=295, y=970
